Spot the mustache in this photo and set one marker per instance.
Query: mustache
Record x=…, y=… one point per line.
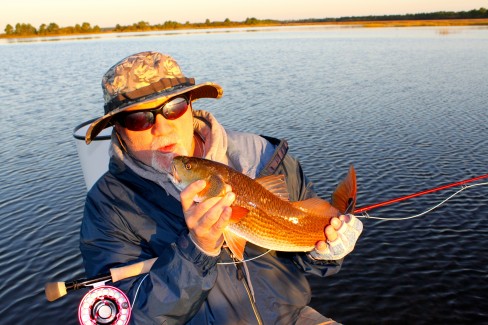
x=164, y=141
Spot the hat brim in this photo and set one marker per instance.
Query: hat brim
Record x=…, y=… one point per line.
x=204, y=90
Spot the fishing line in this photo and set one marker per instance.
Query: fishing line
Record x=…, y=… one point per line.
x=243, y=261
x=463, y=188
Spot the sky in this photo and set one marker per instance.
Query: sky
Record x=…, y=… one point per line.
x=108, y=13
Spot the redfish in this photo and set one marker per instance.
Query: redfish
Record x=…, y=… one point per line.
x=261, y=212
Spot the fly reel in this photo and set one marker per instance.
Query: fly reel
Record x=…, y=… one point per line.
x=104, y=305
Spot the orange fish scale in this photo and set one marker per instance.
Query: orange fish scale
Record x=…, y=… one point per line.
x=272, y=222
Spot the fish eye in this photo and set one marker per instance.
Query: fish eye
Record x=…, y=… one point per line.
x=187, y=166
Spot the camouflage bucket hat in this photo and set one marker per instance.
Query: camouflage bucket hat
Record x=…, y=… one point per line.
x=144, y=81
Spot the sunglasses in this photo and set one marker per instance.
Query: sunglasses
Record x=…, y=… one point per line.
x=143, y=120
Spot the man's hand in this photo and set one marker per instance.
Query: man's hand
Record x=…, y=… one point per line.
x=341, y=236
x=206, y=220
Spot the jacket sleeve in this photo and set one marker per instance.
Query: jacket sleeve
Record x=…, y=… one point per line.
x=179, y=281
x=300, y=188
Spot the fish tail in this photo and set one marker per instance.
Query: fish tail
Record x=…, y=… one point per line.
x=344, y=196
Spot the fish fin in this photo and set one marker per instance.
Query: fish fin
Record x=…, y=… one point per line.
x=275, y=184
x=316, y=206
x=235, y=243
x=238, y=213
x=344, y=196
x=215, y=187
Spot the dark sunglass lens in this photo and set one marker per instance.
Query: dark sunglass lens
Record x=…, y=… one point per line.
x=143, y=120
x=139, y=121
x=175, y=108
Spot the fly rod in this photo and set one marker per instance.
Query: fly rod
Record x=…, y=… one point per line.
x=55, y=290
x=409, y=196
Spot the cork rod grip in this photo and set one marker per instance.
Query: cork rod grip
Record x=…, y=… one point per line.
x=120, y=273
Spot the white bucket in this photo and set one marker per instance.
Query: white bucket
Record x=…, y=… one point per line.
x=94, y=158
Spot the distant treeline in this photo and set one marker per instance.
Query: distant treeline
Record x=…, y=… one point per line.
x=51, y=29
x=21, y=29
x=472, y=14
x=145, y=26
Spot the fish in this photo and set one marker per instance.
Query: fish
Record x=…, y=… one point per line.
x=262, y=213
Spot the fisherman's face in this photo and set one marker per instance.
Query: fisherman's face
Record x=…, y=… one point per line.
x=158, y=145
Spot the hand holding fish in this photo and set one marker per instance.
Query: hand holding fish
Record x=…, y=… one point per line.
x=341, y=234
x=206, y=220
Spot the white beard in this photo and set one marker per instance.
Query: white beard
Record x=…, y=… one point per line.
x=162, y=161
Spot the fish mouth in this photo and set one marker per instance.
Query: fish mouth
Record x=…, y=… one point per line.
x=174, y=174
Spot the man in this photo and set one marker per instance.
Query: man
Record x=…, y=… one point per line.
x=135, y=213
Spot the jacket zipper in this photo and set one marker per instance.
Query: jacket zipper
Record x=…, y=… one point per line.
x=241, y=277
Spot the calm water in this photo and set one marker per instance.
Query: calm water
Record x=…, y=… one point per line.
x=407, y=107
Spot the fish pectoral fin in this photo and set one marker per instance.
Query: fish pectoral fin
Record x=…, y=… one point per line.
x=344, y=196
x=316, y=206
x=236, y=244
x=275, y=184
x=215, y=187
x=238, y=213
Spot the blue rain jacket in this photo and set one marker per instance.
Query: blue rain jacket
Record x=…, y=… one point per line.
x=128, y=219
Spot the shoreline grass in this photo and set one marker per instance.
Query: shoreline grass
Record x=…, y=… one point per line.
x=365, y=24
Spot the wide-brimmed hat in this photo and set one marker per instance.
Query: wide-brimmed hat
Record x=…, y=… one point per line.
x=144, y=81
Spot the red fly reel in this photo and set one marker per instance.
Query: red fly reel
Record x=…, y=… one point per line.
x=104, y=305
